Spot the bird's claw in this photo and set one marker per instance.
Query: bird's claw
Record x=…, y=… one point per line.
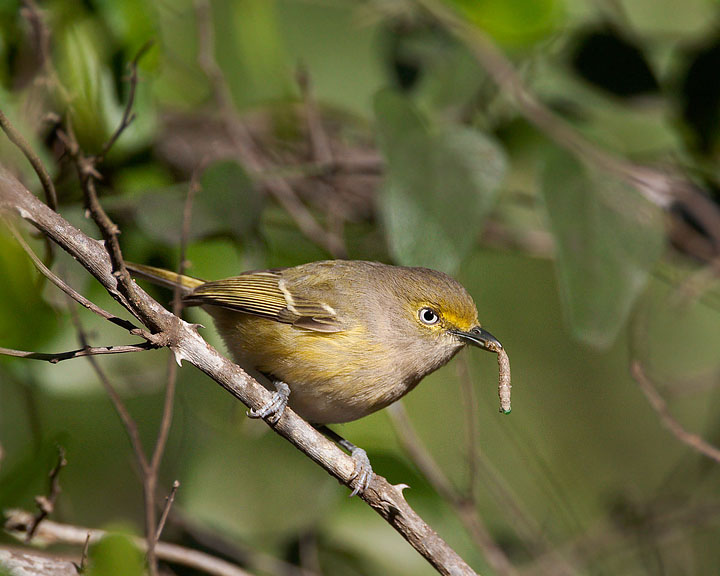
x=363, y=474
x=273, y=410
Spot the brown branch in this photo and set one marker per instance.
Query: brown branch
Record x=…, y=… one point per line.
x=46, y=504
x=186, y=344
x=56, y=357
x=658, y=404
x=17, y=522
x=31, y=563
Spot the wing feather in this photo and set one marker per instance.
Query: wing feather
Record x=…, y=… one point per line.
x=264, y=294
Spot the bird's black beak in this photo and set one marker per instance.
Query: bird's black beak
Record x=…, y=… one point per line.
x=481, y=338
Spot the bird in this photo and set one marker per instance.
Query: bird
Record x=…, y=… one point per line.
x=336, y=339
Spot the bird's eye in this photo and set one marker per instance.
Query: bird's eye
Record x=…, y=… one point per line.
x=428, y=316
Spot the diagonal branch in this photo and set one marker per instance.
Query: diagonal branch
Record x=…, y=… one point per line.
x=186, y=344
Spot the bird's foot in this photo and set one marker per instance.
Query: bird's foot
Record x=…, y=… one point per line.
x=363, y=474
x=273, y=410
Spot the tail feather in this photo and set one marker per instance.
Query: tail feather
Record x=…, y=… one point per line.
x=163, y=277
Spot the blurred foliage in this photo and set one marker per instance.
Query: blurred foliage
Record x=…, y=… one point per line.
x=572, y=269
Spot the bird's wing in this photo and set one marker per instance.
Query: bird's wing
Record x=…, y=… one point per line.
x=266, y=294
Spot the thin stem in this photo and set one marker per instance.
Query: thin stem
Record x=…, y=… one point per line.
x=56, y=357
x=166, y=510
x=42, y=174
x=658, y=404
x=128, y=114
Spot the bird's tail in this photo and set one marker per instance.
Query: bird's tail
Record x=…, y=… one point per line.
x=163, y=277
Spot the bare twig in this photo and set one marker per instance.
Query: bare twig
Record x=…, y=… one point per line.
x=84, y=555
x=166, y=510
x=46, y=504
x=128, y=113
x=658, y=404
x=42, y=174
x=56, y=357
x=18, y=521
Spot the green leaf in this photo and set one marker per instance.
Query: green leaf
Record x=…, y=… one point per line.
x=607, y=240
x=440, y=185
x=89, y=83
x=116, y=555
x=513, y=22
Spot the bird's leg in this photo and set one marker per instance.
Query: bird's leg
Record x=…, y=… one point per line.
x=274, y=409
x=363, y=473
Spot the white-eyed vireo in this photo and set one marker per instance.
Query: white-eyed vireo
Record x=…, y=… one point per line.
x=338, y=339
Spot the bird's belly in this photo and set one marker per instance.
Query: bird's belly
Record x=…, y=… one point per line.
x=333, y=378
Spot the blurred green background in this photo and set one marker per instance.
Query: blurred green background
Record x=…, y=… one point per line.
x=571, y=268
